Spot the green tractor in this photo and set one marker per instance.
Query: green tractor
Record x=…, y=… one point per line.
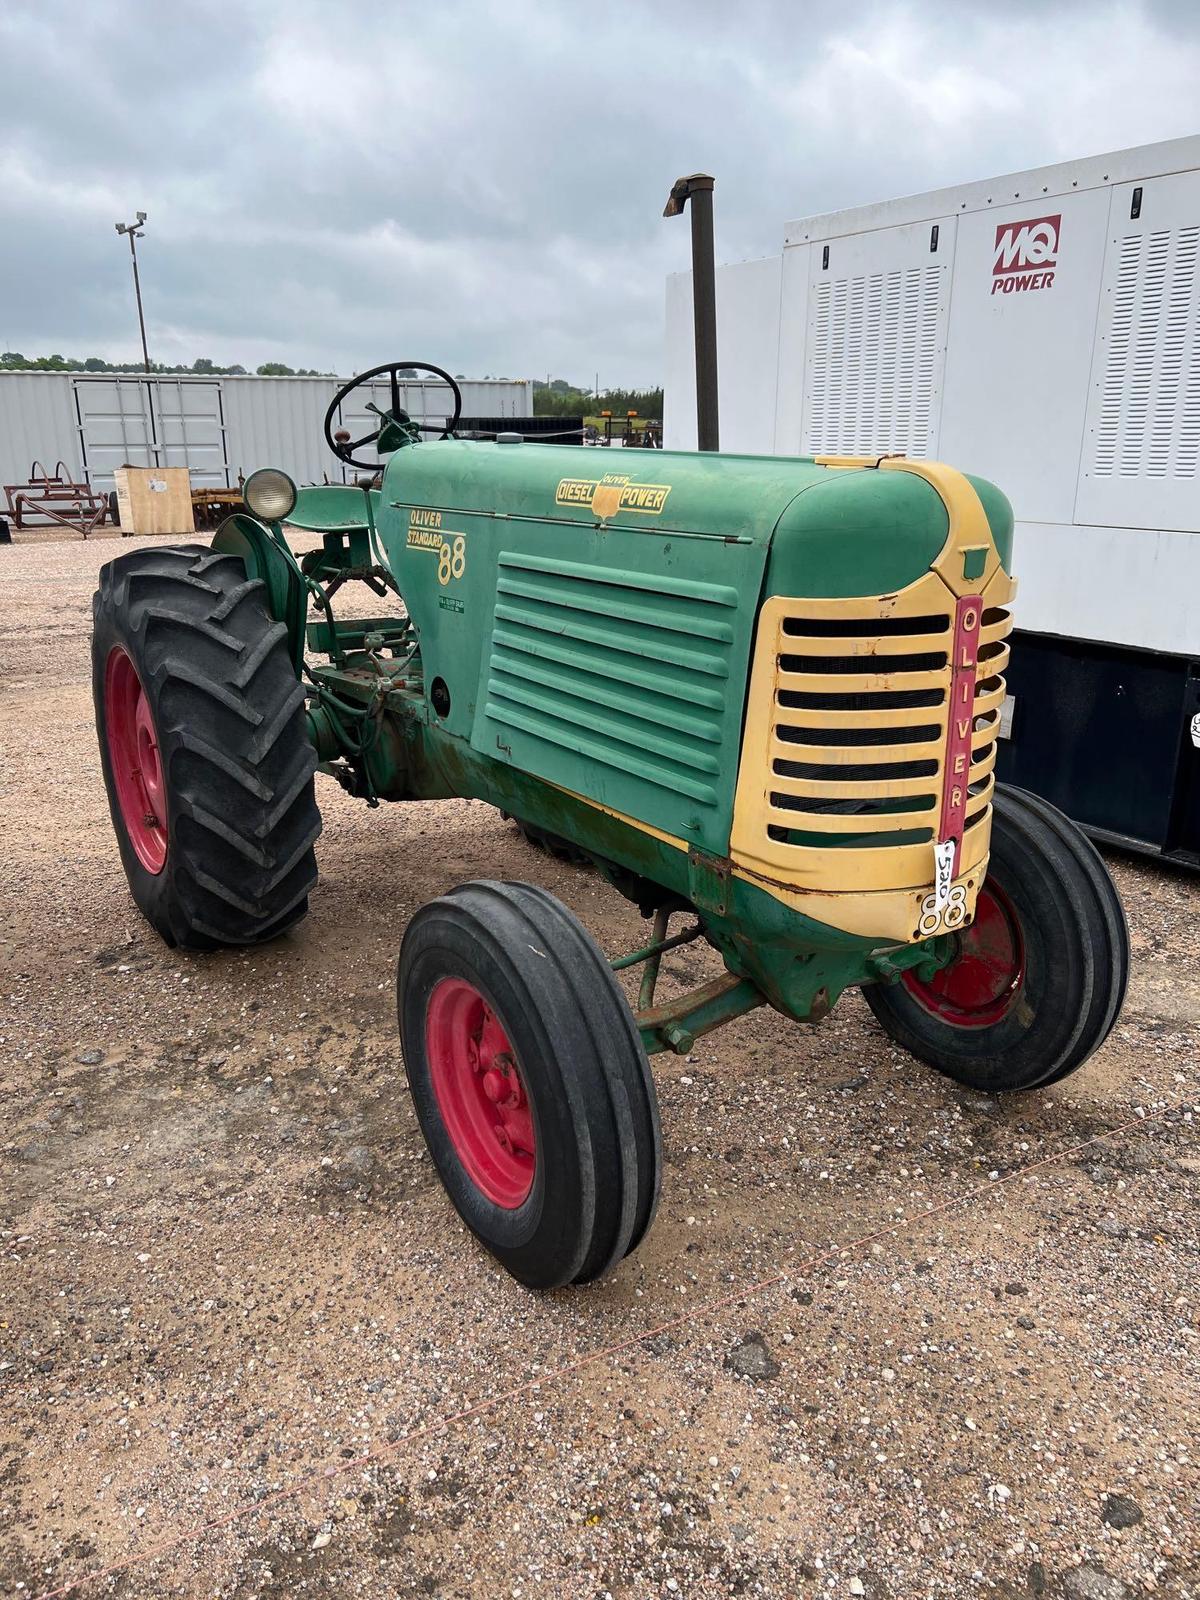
x=759, y=694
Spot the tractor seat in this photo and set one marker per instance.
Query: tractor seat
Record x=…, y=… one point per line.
x=333, y=508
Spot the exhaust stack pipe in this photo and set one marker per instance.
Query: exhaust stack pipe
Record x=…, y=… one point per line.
x=698, y=188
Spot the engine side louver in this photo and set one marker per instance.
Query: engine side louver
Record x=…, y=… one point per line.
x=629, y=672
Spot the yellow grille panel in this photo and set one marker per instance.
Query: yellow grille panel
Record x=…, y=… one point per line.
x=842, y=789
x=843, y=765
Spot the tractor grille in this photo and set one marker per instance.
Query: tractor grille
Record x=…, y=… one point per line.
x=859, y=730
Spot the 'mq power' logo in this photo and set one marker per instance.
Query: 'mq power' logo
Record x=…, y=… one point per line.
x=1025, y=254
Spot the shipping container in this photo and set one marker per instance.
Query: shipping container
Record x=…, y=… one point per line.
x=217, y=427
x=1040, y=329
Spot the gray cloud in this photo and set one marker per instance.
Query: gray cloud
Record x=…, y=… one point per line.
x=481, y=184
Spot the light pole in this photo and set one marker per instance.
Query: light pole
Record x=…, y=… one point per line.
x=134, y=230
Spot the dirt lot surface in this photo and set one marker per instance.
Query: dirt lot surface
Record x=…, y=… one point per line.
x=247, y=1349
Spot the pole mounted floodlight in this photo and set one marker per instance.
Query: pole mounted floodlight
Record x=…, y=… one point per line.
x=698, y=189
x=134, y=230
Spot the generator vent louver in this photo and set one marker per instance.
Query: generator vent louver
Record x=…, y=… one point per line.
x=873, y=363
x=1148, y=421
x=629, y=671
x=858, y=741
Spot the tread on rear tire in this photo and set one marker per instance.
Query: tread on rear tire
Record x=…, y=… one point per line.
x=1055, y=908
x=237, y=766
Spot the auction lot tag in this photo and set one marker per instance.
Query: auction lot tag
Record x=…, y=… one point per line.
x=943, y=874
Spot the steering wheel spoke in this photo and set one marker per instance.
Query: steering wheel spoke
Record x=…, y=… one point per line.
x=367, y=438
x=345, y=449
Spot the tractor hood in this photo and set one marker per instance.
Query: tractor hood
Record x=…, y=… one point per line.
x=715, y=496
x=831, y=528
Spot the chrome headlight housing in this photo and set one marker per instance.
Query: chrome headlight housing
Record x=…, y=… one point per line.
x=270, y=494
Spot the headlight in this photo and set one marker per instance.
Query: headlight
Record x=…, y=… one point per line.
x=270, y=494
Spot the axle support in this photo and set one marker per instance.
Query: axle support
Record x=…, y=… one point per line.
x=676, y=1024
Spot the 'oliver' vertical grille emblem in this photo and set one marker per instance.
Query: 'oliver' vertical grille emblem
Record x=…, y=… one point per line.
x=967, y=615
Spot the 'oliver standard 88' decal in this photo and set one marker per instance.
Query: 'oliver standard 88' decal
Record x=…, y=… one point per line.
x=425, y=533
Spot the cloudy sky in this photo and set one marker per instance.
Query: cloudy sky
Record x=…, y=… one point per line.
x=481, y=185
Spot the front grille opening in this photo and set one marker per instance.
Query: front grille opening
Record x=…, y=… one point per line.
x=849, y=841
x=854, y=738
x=868, y=806
x=892, y=751
x=863, y=627
x=873, y=700
x=868, y=772
x=919, y=661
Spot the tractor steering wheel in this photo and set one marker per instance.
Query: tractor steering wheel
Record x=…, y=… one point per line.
x=341, y=443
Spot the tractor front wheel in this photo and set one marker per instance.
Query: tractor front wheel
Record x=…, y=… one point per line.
x=204, y=747
x=1037, y=980
x=529, y=1081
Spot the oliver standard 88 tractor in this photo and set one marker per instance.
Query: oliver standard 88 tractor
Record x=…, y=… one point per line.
x=762, y=694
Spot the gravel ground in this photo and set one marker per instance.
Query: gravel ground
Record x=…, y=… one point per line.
x=232, y=1292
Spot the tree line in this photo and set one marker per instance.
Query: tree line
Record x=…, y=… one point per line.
x=558, y=398
x=562, y=399
x=14, y=361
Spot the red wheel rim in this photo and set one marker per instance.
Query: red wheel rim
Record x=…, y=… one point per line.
x=134, y=759
x=985, y=977
x=480, y=1092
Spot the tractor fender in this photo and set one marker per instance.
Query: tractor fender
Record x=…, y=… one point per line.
x=243, y=535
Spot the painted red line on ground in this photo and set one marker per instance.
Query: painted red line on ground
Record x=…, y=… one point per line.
x=379, y=1453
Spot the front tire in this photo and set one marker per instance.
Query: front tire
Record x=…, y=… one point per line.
x=1038, y=979
x=529, y=1081
x=203, y=743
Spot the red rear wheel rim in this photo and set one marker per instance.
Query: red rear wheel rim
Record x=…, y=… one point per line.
x=134, y=759
x=480, y=1092
x=983, y=981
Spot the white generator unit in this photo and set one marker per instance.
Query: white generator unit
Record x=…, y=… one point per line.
x=1041, y=329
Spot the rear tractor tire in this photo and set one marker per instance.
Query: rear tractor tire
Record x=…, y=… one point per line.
x=203, y=743
x=529, y=1081
x=1037, y=980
